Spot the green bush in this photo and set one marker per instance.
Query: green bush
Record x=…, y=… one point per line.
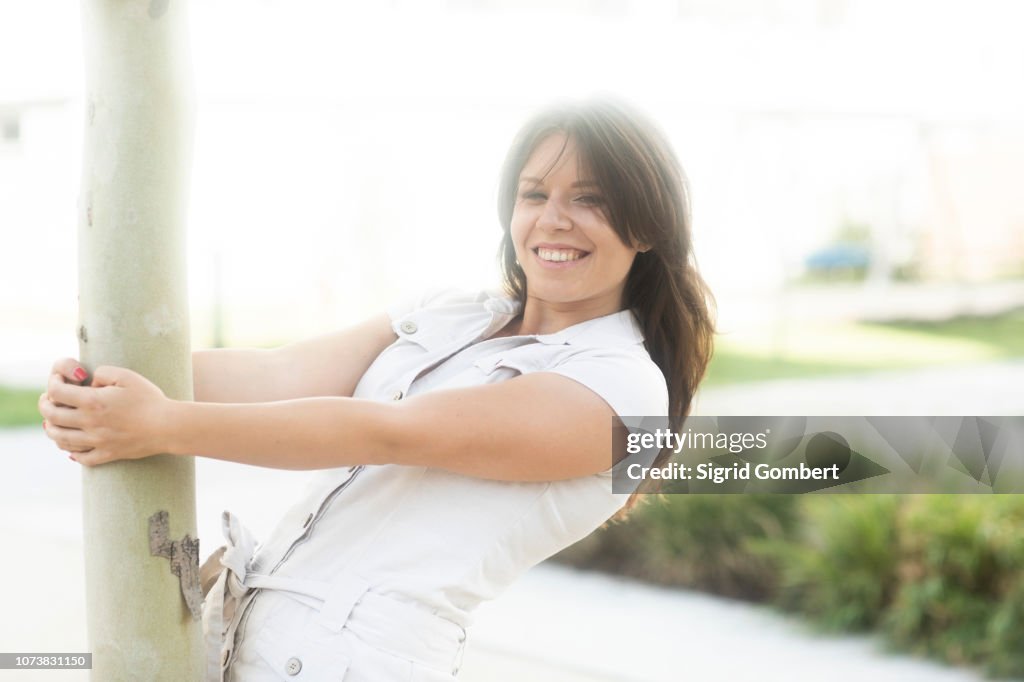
x=961, y=596
x=947, y=572
x=1006, y=634
x=706, y=540
x=841, y=570
x=1006, y=627
x=697, y=541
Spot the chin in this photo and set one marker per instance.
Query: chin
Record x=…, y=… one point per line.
x=556, y=294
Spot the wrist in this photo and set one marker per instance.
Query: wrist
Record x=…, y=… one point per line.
x=173, y=436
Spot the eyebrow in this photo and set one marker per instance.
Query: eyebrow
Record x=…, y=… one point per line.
x=539, y=181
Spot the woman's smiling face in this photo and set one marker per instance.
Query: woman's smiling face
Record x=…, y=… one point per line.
x=563, y=241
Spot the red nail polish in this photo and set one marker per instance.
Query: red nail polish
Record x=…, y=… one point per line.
x=72, y=458
x=80, y=374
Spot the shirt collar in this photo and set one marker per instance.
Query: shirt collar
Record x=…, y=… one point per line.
x=616, y=329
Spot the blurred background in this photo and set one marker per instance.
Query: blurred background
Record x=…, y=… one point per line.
x=853, y=169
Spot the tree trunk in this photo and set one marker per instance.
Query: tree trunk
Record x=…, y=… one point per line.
x=133, y=312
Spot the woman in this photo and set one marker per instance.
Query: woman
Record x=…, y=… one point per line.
x=462, y=438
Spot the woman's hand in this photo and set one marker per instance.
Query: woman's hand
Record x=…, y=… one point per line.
x=121, y=415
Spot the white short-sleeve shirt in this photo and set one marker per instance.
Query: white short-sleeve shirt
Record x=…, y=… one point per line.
x=444, y=541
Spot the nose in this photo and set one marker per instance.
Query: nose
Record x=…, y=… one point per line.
x=553, y=217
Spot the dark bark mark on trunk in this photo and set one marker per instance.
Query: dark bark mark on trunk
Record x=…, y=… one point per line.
x=184, y=557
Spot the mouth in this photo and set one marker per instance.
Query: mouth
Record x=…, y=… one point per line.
x=561, y=255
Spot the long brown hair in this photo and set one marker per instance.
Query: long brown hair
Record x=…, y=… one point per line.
x=647, y=201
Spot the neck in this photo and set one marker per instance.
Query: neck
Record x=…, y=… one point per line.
x=546, y=317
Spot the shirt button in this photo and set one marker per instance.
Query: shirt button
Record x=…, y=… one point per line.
x=293, y=666
x=308, y=520
x=398, y=395
x=409, y=327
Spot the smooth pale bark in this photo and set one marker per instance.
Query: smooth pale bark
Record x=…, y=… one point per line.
x=133, y=312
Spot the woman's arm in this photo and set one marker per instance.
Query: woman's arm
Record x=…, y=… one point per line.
x=327, y=365
x=540, y=426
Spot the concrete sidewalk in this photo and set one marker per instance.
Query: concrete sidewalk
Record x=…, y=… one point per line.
x=988, y=389
x=559, y=624
x=556, y=624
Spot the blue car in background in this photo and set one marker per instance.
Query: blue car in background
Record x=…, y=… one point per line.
x=842, y=257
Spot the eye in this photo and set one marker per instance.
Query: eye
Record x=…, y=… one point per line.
x=532, y=195
x=588, y=200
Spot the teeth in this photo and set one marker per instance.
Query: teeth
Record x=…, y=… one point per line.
x=558, y=255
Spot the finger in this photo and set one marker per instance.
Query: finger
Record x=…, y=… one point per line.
x=68, y=417
x=68, y=439
x=46, y=397
x=90, y=459
x=71, y=369
x=68, y=395
x=44, y=404
x=109, y=375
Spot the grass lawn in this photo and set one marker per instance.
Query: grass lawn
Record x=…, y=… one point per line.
x=795, y=352
x=18, y=406
x=812, y=350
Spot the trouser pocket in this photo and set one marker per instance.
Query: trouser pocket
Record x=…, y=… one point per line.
x=293, y=657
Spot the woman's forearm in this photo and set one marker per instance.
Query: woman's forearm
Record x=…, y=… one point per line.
x=307, y=433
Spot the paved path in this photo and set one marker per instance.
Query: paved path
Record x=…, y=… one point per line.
x=556, y=624
x=989, y=389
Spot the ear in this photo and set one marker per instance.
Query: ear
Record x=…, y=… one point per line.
x=643, y=248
